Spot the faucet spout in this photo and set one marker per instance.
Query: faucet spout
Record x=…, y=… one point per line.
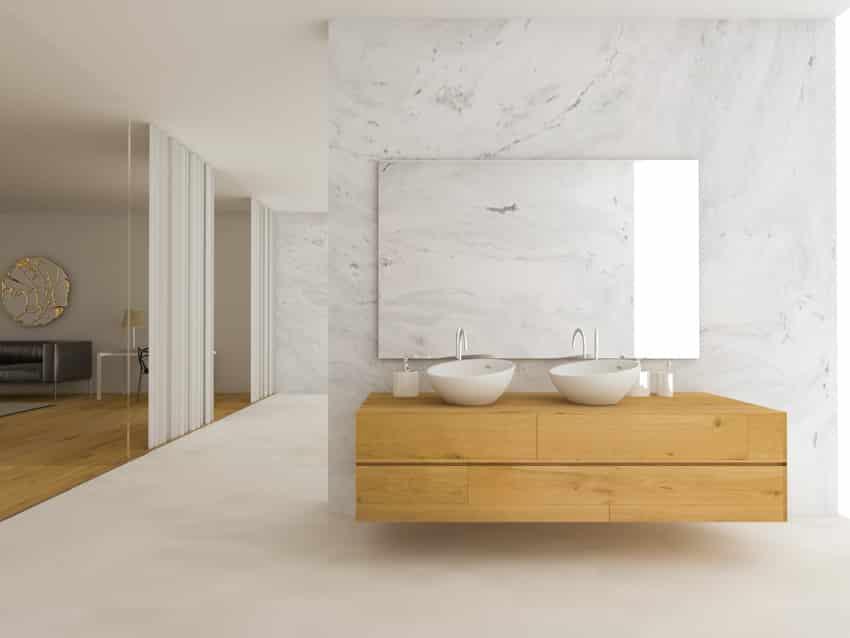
x=461, y=343
x=578, y=333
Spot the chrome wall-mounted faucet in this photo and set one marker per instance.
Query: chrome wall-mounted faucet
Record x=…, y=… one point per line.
x=578, y=333
x=461, y=344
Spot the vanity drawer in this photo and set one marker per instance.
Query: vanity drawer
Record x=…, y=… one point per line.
x=411, y=485
x=454, y=493
x=636, y=492
x=444, y=436
x=661, y=438
x=440, y=493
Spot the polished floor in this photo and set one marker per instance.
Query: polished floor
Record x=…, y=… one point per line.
x=50, y=450
x=226, y=532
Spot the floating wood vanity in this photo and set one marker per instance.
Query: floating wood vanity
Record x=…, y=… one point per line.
x=535, y=457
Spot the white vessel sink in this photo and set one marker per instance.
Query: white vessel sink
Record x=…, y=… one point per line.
x=471, y=381
x=596, y=382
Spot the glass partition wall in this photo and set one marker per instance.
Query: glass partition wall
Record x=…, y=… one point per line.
x=137, y=315
x=68, y=249
x=65, y=323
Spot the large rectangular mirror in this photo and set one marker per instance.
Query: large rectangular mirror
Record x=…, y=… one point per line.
x=521, y=253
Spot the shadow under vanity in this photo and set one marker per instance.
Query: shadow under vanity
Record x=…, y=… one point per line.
x=520, y=254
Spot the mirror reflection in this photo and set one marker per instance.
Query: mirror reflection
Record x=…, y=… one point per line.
x=522, y=253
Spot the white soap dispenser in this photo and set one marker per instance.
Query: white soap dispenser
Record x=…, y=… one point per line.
x=406, y=382
x=664, y=381
x=642, y=387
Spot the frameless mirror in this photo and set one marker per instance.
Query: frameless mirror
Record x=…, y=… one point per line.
x=521, y=253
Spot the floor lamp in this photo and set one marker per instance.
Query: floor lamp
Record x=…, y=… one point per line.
x=133, y=318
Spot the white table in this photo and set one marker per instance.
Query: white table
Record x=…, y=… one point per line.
x=100, y=357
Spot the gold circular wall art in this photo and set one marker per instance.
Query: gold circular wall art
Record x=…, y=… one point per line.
x=36, y=291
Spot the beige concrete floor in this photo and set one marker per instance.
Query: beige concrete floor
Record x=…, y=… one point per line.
x=226, y=533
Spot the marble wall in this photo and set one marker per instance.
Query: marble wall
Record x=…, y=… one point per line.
x=753, y=101
x=300, y=302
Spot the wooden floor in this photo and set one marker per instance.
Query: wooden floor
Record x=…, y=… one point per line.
x=48, y=451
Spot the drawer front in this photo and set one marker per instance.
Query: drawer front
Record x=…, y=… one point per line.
x=539, y=485
x=648, y=438
x=422, y=437
x=419, y=485
x=434, y=493
x=657, y=485
x=485, y=493
x=713, y=486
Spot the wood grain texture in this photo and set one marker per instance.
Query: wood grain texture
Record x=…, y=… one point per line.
x=768, y=437
x=662, y=438
x=544, y=493
x=642, y=438
x=424, y=485
x=424, y=437
x=49, y=451
x=539, y=485
x=627, y=485
x=698, y=513
x=689, y=428
x=535, y=457
x=482, y=514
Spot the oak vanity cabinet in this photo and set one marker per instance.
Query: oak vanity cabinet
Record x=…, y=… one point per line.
x=534, y=457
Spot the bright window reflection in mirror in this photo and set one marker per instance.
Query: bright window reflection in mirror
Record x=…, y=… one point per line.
x=666, y=219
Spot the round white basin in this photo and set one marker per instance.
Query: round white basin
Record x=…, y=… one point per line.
x=471, y=381
x=596, y=382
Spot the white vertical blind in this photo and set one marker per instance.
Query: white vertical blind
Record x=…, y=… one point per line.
x=262, y=370
x=181, y=201
x=209, y=305
x=178, y=279
x=195, y=292
x=269, y=306
x=159, y=286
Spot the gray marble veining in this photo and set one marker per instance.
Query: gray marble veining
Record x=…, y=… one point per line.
x=752, y=100
x=518, y=253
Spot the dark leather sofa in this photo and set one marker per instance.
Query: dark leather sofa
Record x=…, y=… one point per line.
x=45, y=362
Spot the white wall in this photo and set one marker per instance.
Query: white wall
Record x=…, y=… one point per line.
x=753, y=101
x=233, y=300
x=262, y=302
x=300, y=254
x=93, y=251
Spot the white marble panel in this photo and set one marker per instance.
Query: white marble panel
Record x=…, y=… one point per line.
x=753, y=101
x=518, y=253
x=300, y=262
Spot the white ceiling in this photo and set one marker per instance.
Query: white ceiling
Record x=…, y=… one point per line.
x=242, y=82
